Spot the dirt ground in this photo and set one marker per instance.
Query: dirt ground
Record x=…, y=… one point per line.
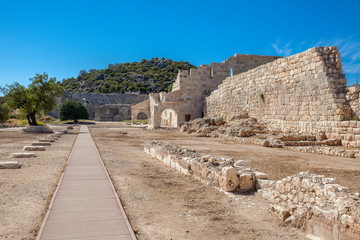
x=163, y=204
x=26, y=192
x=160, y=202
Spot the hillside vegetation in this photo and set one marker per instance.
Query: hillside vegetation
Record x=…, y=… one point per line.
x=147, y=76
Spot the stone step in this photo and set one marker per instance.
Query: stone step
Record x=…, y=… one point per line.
x=10, y=164
x=41, y=144
x=22, y=155
x=46, y=140
x=34, y=148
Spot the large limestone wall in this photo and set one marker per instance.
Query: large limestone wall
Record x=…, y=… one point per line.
x=302, y=92
x=93, y=100
x=197, y=84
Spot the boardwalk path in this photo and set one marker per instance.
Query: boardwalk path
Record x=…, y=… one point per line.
x=85, y=205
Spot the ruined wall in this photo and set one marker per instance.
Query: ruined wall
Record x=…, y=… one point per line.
x=113, y=112
x=303, y=92
x=197, y=84
x=143, y=107
x=192, y=87
x=93, y=100
x=352, y=97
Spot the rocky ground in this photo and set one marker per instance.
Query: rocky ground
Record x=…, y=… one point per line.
x=26, y=192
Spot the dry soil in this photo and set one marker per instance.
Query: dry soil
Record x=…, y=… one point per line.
x=25, y=193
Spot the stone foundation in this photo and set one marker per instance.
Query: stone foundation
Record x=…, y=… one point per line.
x=313, y=203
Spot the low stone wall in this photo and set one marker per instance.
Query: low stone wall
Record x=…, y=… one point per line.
x=222, y=173
x=315, y=204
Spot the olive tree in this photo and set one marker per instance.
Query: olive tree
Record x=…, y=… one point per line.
x=37, y=98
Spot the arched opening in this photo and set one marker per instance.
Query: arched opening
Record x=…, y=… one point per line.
x=142, y=118
x=169, y=118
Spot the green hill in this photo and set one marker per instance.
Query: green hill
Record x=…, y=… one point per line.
x=147, y=76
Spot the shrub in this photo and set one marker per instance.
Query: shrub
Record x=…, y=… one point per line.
x=73, y=110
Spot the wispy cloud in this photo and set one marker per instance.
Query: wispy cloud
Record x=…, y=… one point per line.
x=281, y=49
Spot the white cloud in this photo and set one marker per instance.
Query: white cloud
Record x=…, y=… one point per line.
x=282, y=50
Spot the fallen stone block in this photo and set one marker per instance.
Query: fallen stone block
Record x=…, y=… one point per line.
x=46, y=140
x=34, y=148
x=69, y=127
x=63, y=131
x=10, y=164
x=22, y=155
x=41, y=144
x=229, y=179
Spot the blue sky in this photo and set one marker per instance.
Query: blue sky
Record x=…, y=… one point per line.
x=64, y=37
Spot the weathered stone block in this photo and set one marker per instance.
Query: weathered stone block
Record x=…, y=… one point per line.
x=46, y=140
x=10, y=164
x=34, y=148
x=247, y=182
x=41, y=144
x=22, y=155
x=229, y=179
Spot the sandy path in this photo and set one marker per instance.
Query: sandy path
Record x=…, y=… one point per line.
x=26, y=192
x=163, y=204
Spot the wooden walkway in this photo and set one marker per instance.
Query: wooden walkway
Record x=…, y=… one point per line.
x=85, y=204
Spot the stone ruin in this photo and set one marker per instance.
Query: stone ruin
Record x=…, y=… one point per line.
x=187, y=99
x=304, y=94
x=317, y=205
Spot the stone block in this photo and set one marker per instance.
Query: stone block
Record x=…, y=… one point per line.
x=46, y=140
x=10, y=164
x=22, y=155
x=33, y=148
x=247, y=182
x=229, y=180
x=41, y=144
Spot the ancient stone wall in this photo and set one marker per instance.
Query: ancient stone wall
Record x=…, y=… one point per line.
x=352, y=97
x=143, y=107
x=304, y=92
x=113, y=112
x=191, y=87
x=93, y=100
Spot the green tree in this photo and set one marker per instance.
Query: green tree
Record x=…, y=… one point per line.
x=73, y=110
x=4, y=112
x=38, y=98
